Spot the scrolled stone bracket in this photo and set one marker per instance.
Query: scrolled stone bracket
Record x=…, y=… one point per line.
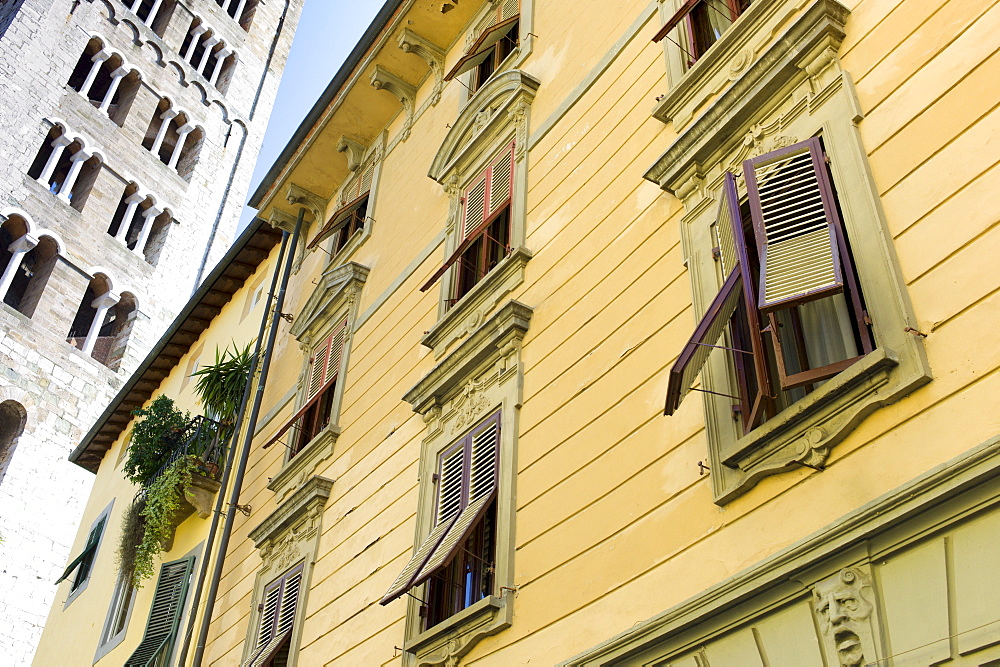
x=299, y=196
x=383, y=79
x=354, y=149
x=433, y=55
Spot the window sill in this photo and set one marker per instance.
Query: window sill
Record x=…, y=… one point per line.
x=451, y=639
x=300, y=467
x=804, y=433
x=473, y=309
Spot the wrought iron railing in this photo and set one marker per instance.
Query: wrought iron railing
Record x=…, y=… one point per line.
x=202, y=438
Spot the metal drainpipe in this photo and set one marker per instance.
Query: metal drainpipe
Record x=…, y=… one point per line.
x=231, y=456
x=239, y=151
x=234, y=496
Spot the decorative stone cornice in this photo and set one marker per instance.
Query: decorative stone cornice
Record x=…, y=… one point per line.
x=433, y=55
x=806, y=49
x=281, y=220
x=354, y=149
x=335, y=285
x=495, y=336
x=312, y=493
x=501, y=104
x=383, y=79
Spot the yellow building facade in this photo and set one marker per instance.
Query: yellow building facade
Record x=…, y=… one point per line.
x=514, y=235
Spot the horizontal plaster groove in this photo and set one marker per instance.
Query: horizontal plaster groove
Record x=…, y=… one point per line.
x=948, y=480
x=400, y=279
x=273, y=412
x=584, y=86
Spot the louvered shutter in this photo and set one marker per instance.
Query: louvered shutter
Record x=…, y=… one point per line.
x=318, y=371
x=86, y=557
x=482, y=452
x=674, y=20
x=468, y=471
x=474, y=207
x=508, y=14
x=365, y=182
x=340, y=219
x=277, y=617
x=795, y=222
x=164, y=615
x=501, y=180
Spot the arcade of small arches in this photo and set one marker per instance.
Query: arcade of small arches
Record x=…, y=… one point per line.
x=106, y=79
x=103, y=321
x=174, y=138
x=208, y=54
x=67, y=165
x=140, y=222
x=154, y=14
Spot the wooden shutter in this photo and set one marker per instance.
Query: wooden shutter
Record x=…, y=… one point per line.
x=164, y=615
x=317, y=372
x=675, y=19
x=508, y=14
x=795, y=222
x=468, y=469
x=474, y=205
x=340, y=218
x=501, y=175
x=277, y=617
x=86, y=557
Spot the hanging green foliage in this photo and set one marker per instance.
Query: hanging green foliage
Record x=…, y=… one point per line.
x=133, y=529
x=220, y=386
x=150, y=447
x=159, y=513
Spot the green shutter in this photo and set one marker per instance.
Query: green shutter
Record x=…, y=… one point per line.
x=86, y=558
x=164, y=614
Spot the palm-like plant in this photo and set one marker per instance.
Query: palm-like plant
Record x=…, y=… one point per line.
x=220, y=386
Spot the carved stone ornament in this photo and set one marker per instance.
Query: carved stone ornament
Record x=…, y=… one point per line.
x=433, y=55
x=739, y=64
x=844, y=605
x=383, y=79
x=299, y=196
x=354, y=149
x=470, y=405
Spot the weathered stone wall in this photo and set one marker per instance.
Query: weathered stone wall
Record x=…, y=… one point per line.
x=62, y=389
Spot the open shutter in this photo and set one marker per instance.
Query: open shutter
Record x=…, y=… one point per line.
x=277, y=617
x=482, y=453
x=341, y=218
x=509, y=14
x=86, y=557
x=675, y=19
x=317, y=372
x=164, y=615
x=796, y=223
x=474, y=205
x=501, y=188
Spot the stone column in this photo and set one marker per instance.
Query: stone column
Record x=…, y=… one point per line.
x=116, y=79
x=18, y=249
x=58, y=146
x=66, y=191
x=152, y=13
x=167, y=116
x=239, y=10
x=222, y=55
x=182, y=133
x=196, y=34
x=209, y=45
x=98, y=60
x=149, y=215
x=133, y=201
x=226, y=5
x=135, y=5
x=103, y=303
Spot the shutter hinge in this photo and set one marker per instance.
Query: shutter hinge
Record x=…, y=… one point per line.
x=434, y=478
x=737, y=411
x=826, y=158
x=716, y=253
x=867, y=318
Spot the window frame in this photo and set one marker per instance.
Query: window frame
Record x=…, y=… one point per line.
x=263, y=651
x=92, y=548
x=121, y=606
x=794, y=89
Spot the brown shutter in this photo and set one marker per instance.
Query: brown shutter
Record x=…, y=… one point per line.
x=403, y=582
x=277, y=617
x=481, y=48
x=675, y=19
x=501, y=179
x=340, y=218
x=317, y=372
x=336, y=352
x=795, y=222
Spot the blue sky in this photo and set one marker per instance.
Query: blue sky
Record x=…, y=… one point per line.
x=327, y=31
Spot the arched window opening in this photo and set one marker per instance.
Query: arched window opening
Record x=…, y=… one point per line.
x=26, y=265
x=193, y=47
x=238, y=9
x=13, y=417
x=188, y=156
x=83, y=183
x=223, y=75
x=154, y=13
x=117, y=329
x=92, y=56
x=156, y=237
x=211, y=60
x=247, y=14
x=65, y=167
x=139, y=223
x=89, y=332
x=127, y=220
x=121, y=101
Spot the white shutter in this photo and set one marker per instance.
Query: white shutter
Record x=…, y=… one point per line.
x=501, y=181
x=449, y=496
x=475, y=205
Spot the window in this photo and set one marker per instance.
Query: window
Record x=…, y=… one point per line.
x=119, y=612
x=140, y=223
x=705, y=21
x=165, y=613
x=13, y=417
x=498, y=39
x=791, y=267
x=458, y=557
x=66, y=167
x=26, y=261
x=485, y=226
x=791, y=298
x=351, y=217
x=103, y=322
x=154, y=13
x=80, y=568
x=105, y=79
x=276, y=621
x=173, y=138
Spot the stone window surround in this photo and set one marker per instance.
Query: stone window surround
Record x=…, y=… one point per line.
x=184, y=129
x=105, y=516
x=24, y=244
x=288, y=536
x=150, y=213
x=334, y=298
x=205, y=34
x=359, y=158
x=798, y=79
x=498, y=114
x=105, y=53
x=483, y=374
x=122, y=587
